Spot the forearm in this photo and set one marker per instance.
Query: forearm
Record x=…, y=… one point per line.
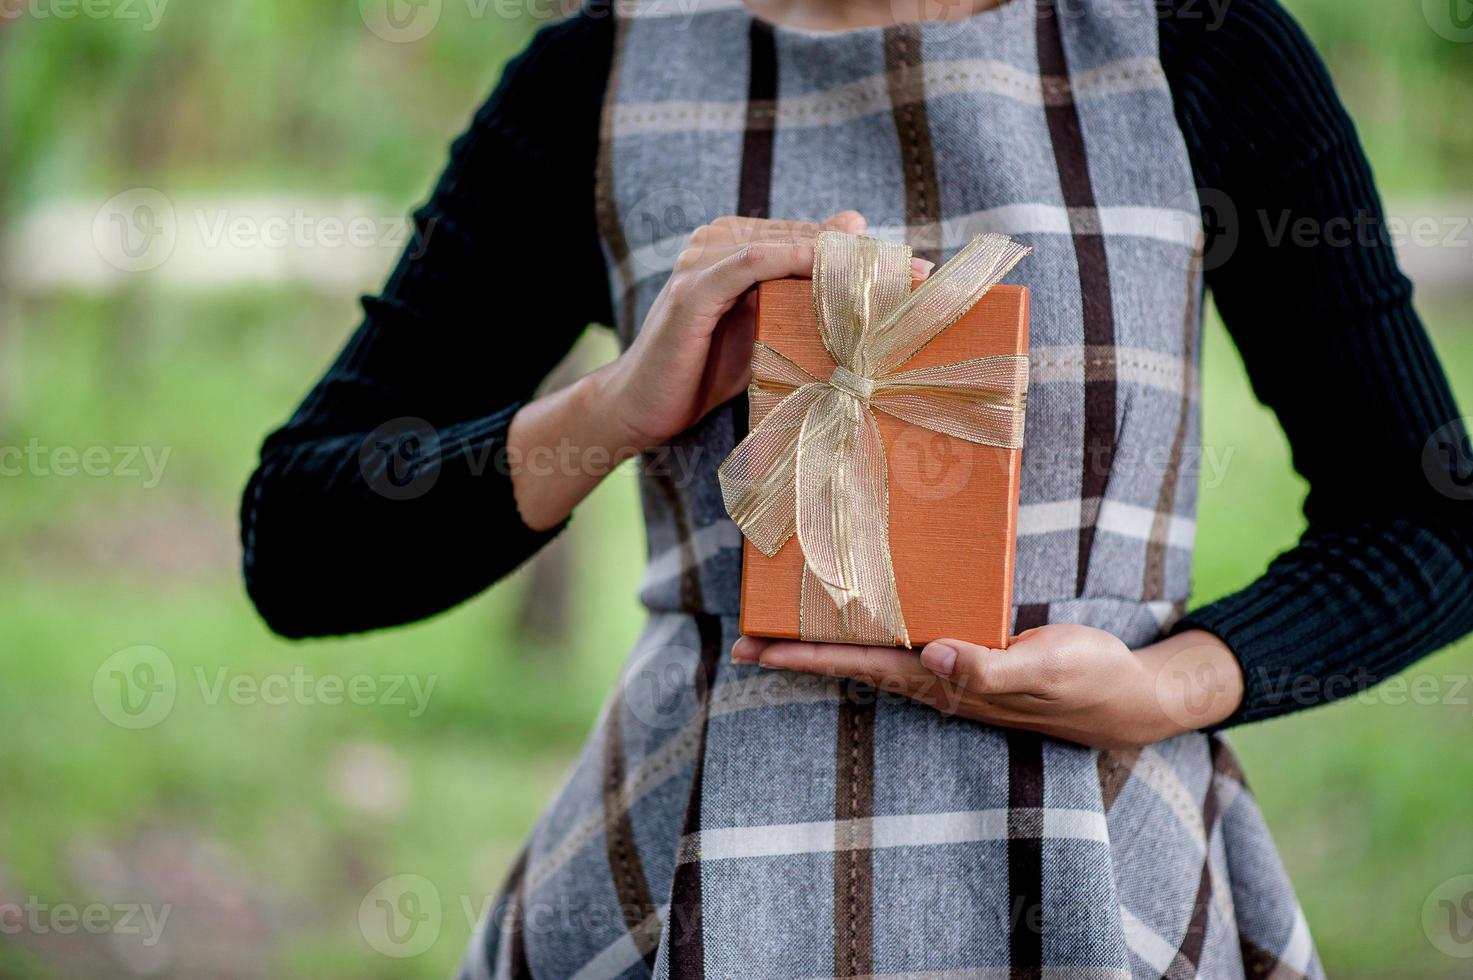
x=561, y=446
x=361, y=530
x=338, y=533
x=1344, y=610
x=1301, y=263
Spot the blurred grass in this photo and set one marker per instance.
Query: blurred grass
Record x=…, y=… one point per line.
x=258, y=781
x=239, y=812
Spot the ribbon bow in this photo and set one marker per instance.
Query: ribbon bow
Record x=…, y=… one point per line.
x=815, y=465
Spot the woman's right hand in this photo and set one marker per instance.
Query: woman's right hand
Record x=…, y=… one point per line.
x=694, y=351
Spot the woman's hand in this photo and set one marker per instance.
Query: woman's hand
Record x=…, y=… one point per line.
x=1070, y=682
x=694, y=351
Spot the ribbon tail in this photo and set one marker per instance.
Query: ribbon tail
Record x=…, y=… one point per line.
x=849, y=590
x=758, y=479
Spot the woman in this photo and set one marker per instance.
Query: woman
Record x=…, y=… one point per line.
x=1062, y=813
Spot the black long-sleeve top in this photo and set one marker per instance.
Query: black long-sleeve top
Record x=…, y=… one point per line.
x=1382, y=575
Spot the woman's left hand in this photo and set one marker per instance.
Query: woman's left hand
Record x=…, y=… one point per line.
x=1070, y=682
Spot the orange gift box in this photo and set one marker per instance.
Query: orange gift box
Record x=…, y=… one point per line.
x=953, y=510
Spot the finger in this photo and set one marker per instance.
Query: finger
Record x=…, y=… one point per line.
x=743, y=231
x=748, y=649
x=716, y=242
x=980, y=669
x=900, y=672
x=728, y=234
x=712, y=254
x=722, y=283
x=851, y=222
x=878, y=666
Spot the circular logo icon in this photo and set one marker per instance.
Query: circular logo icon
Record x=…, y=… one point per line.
x=1185, y=687
x=659, y=687
x=135, y=687
x=658, y=226
x=1205, y=223
x=400, y=21
x=929, y=465
x=400, y=459
x=136, y=231
x=1447, y=917
x=1451, y=19
x=1447, y=460
x=400, y=916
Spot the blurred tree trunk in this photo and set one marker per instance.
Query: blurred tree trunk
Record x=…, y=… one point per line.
x=547, y=603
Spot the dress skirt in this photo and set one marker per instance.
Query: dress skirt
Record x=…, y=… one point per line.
x=727, y=821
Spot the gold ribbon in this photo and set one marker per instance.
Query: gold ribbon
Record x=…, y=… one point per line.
x=815, y=466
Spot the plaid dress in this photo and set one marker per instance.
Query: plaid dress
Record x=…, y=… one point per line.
x=724, y=821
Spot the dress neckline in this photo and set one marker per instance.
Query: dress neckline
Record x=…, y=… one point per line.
x=996, y=11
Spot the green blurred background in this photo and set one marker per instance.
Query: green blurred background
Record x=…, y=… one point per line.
x=261, y=827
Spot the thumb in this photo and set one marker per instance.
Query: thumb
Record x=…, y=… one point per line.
x=973, y=667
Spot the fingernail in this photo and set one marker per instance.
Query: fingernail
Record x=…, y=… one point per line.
x=746, y=650
x=939, y=658
x=921, y=268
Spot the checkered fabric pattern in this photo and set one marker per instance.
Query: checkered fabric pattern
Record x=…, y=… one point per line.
x=724, y=821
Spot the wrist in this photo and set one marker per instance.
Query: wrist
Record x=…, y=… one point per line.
x=561, y=446
x=600, y=405
x=1193, y=681
x=603, y=397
